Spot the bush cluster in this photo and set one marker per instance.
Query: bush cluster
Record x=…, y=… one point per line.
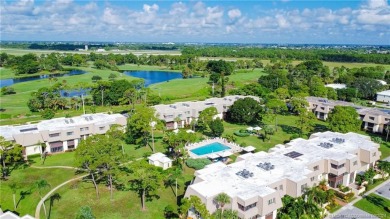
x=198, y=164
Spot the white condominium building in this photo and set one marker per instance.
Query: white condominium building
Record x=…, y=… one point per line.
x=179, y=114
x=256, y=182
x=60, y=134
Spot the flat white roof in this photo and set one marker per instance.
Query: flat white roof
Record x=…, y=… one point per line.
x=385, y=93
x=219, y=178
x=59, y=124
x=159, y=157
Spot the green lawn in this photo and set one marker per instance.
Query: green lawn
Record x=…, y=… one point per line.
x=126, y=204
x=286, y=128
x=374, y=204
x=25, y=179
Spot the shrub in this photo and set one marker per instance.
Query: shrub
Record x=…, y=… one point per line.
x=7, y=90
x=47, y=114
x=198, y=164
x=387, y=208
x=242, y=133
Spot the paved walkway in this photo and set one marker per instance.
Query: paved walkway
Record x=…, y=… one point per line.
x=53, y=167
x=350, y=205
x=38, y=208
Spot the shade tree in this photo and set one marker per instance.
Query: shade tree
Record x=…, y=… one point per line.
x=10, y=155
x=344, y=119
x=245, y=111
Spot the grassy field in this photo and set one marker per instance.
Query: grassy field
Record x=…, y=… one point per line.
x=374, y=204
x=27, y=193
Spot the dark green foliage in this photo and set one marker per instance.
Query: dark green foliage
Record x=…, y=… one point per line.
x=347, y=94
x=7, y=90
x=344, y=119
x=242, y=133
x=216, y=127
x=96, y=78
x=218, y=70
x=367, y=87
x=245, y=111
x=48, y=114
x=198, y=164
x=253, y=89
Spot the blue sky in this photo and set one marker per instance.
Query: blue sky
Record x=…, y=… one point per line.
x=271, y=21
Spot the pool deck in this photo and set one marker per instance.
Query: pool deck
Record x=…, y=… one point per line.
x=234, y=148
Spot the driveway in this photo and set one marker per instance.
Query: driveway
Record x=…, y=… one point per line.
x=384, y=191
x=352, y=212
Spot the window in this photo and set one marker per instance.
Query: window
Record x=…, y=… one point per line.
x=303, y=187
x=334, y=166
x=245, y=208
x=69, y=133
x=355, y=163
x=323, y=108
x=101, y=128
x=281, y=187
x=56, y=149
x=312, y=179
x=271, y=201
x=54, y=135
x=276, y=188
x=372, y=118
x=374, y=154
x=316, y=168
x=84, y=129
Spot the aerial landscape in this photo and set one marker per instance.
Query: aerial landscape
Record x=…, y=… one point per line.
x=268, y=109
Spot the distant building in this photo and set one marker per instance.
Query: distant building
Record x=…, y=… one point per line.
x=86, y=47
x=160, y=160
x=383, y=96
x=257, y=182
x=179, y=114
x=100, y=50
x=382, y=82
x=59, y=134
x=336, y=86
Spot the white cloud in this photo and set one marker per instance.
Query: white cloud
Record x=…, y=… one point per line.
x=189, y=21
x=150, y=8
x=234, y=13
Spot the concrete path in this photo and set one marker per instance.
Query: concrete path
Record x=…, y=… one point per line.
x=349, y=205
x=38, y=208
x=53, y=167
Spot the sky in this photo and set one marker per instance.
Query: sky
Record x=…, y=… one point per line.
x=219, y=21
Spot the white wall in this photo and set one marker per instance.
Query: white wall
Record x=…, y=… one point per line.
x=382, y=98
x=34, y=149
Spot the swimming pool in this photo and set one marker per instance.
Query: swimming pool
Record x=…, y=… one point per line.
x=210, y=148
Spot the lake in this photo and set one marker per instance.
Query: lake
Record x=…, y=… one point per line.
x=11, y=81
x=152, y=77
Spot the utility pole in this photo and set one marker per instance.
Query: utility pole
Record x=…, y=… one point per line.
x=82, y=99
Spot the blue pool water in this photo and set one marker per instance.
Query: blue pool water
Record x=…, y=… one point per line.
x=210, y=148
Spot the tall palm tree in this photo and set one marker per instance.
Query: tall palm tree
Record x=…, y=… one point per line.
x=222, y=199
x=53, y=198
x=41, y=185
x=14, y=187
x=172, y=178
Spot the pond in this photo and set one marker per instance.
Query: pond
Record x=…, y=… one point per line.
x=11, y=81
x=152, y=77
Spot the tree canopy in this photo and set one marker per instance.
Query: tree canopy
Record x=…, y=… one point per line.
x=245, y=111
x=344, y=119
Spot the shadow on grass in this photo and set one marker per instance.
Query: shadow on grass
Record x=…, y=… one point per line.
x=23, y=195
x=320, y=128
x=376, y=201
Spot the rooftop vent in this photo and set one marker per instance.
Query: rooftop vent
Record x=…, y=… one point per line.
x=86, y=118
x=90, y=118
x=293, y=154
x=66, y=121
x=338, y=140
x=71, y=121
x=244, y=173
x=322, y=100
x=209, y=103
x=266, y=166
x=326, y=145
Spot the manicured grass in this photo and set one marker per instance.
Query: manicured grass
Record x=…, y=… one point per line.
x=385, y=150
x=61, y=159
x=374, y=204
x=25, y=179
x=6, y=73
x=126, y=204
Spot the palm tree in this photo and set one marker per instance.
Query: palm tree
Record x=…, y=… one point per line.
x=14, y=187
x=53, y=198
x=41, y=185
x=172, y=178
x=222, y=199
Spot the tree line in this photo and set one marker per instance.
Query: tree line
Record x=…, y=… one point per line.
x=332, y=55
